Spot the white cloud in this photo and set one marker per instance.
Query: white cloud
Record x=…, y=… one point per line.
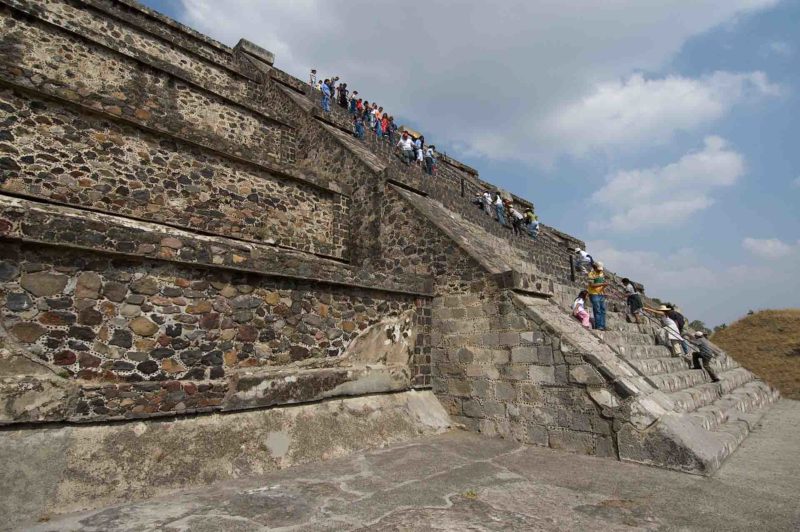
x=639, y=111
x=767, y=248
x=712, y=290
x=644, y=198
x=486, y=77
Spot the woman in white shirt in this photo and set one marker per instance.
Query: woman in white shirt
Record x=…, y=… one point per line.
x=579, y=309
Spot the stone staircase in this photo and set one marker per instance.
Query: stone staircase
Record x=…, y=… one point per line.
x=730, y=408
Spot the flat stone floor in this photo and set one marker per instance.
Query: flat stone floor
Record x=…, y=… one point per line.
x=461, y=481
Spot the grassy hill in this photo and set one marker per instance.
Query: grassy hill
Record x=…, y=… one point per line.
x=768, y=344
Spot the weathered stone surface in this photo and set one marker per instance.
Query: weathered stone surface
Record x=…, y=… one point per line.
x=143, y=326
x=43, y=283
x=27, y=332
x=18, y=301
x=88, y=286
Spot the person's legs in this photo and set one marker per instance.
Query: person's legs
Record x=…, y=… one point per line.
x=703, y=362
x=501, y=217
x=583, y=316
x=599, y=311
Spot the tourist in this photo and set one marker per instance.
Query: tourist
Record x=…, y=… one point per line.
x=597, y=287
x=379, y=123
x=418, y=144
x=343, y=95
x=326, y=96
x=579, y=309
x=517, y=219
x=676, y=318
x=675, y=315
x=633, y=299
x=499, y=209
x=430, y=161
x=669, y=334
x=478, y=200
x=360, y=107
x=312, y=78
x=531, y=223
x=319, y=86
x=358, y=124
x=487, y=204
x=354, y=102
x=406, y=146
x=582, y=260
x=392, y=131
x=705, y=353
x=385, y=126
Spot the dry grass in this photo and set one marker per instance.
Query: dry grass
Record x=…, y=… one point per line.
x=768, y=344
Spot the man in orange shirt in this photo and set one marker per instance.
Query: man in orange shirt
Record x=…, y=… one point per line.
x=597, y=288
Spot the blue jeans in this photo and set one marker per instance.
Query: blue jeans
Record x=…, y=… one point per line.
x=599, y=310
x=533, y=230
x=428, y=166
x=360, y=131
x=501, y=214
x=378, y=129
x=326, y=103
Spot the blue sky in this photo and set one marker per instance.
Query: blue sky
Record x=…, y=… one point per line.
x=664, y=134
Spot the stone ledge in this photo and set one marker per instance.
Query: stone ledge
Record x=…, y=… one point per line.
x=40, y=223
x=252, y=49
x=51, y=399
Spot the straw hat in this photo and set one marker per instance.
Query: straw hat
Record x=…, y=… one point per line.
x=664, y=308
x=598, y=266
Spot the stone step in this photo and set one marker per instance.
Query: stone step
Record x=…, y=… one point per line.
x=625, y=338
x=640, y=351
x=659, y=365
x=679, y=380
x=623, y=326
x=691, y=399
x=744, y=403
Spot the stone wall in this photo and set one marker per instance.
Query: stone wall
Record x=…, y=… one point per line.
x=501, y=373
x=60, y=154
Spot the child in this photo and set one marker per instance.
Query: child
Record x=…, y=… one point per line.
x=579, y=309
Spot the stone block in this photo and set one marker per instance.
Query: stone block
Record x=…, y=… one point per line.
x=515, y=372
x=536, y=435
x=481, y=388
x=528, y=392
x=459, y=388
x=542, y=374
x=505, y=391
x=473, y=408
x=575, y=442
x=586, y=374
x=494, y=408
x=524, y=354
x=483, y=371
x=509, y=338
x=545, y=353
x=533, y=337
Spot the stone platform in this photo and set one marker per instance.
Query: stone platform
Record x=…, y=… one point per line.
x=460, y=481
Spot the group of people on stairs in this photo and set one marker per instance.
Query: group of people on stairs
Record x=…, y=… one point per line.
x=672, y=322
x=503, y=210
x=371, y=117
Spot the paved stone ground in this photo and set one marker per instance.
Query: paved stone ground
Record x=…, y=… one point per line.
x=461, y=481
